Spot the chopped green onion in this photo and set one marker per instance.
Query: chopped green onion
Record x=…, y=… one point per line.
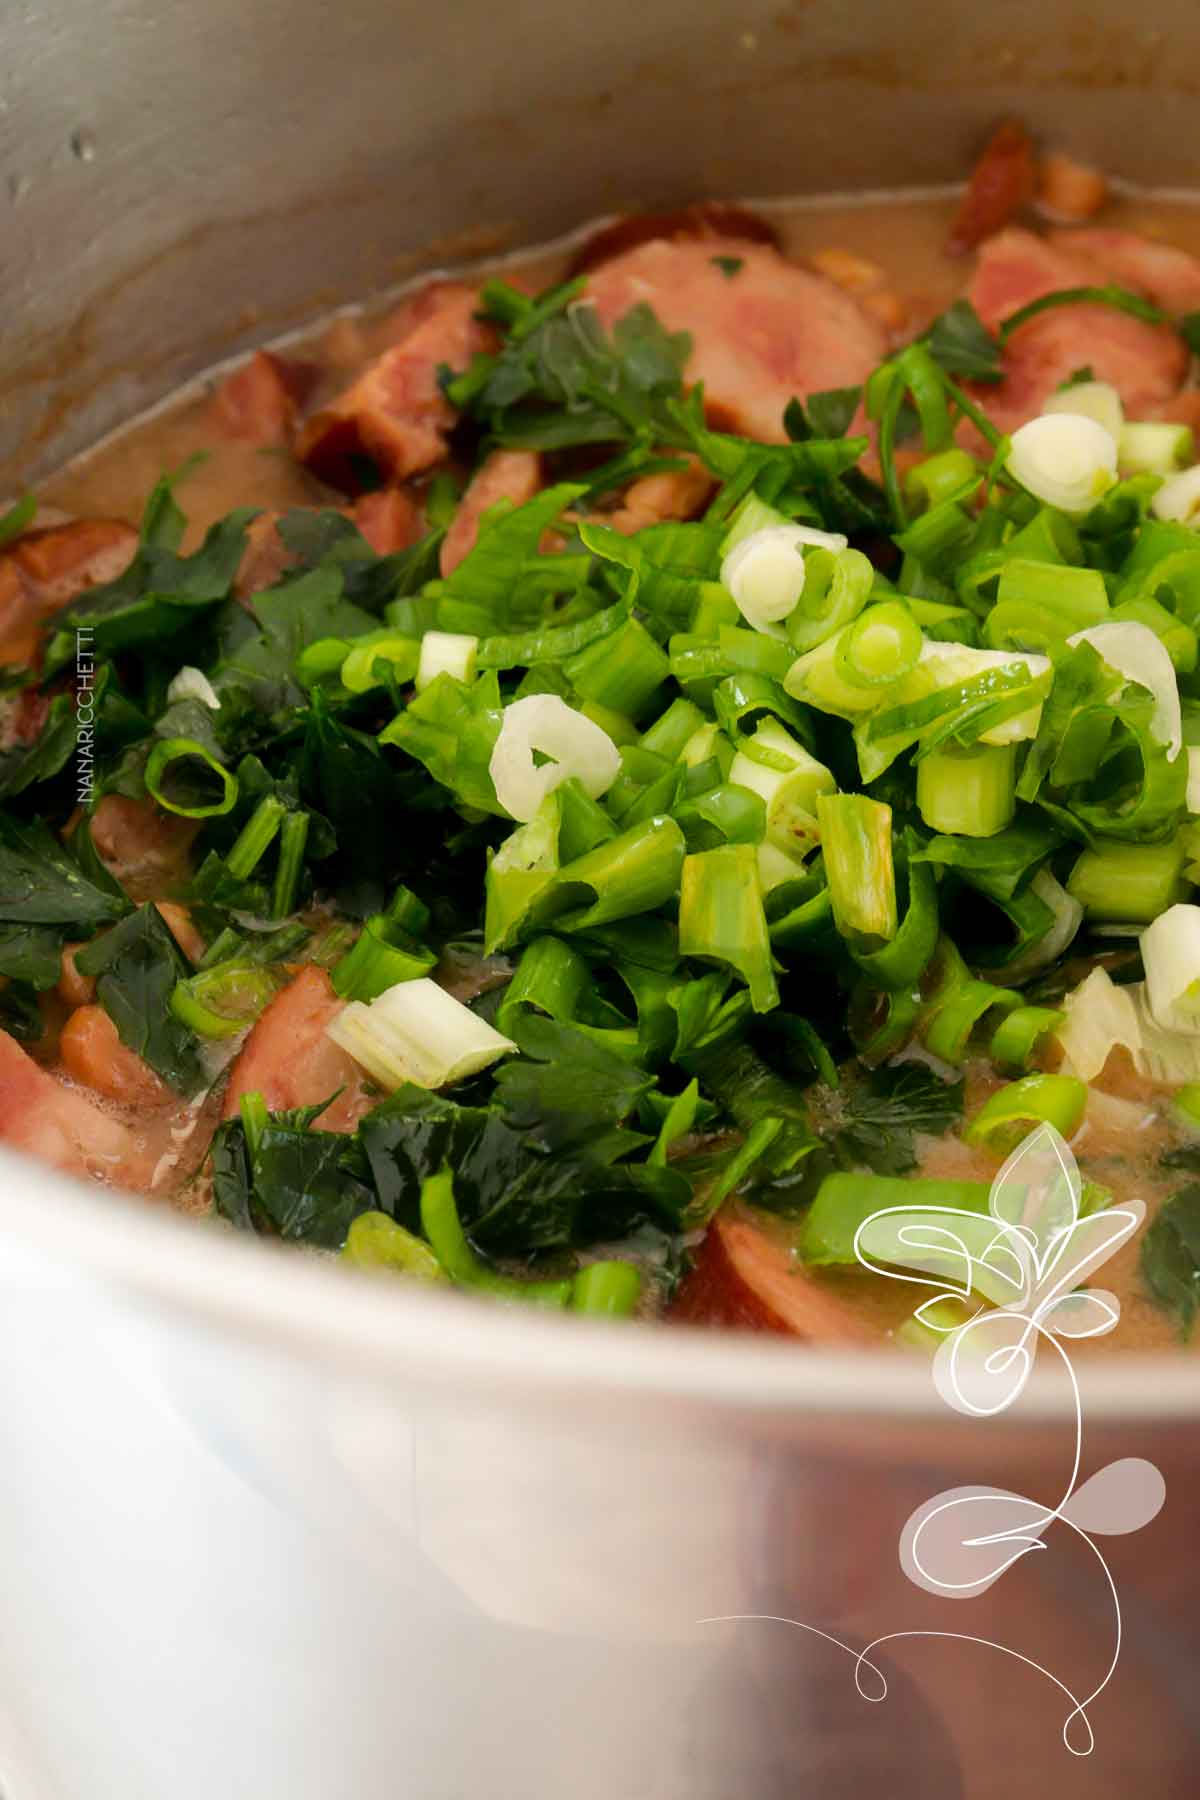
x=546, y=725
x=1110, y=294
x=836, y=588
x=1154, y=447
x=899, y=965
x=945, y=476
x=369, y=659
x=880, y=1022
x=1179, y=498
x=948, y=1033
x=1065, y=460
x=221, y=1002
x=1170, y=948
x=376, y=1241
x=193, y=684
x=442, y=1226
x=624, y=670
x=856, y=840
x=381, y=957
x=879, y=647
x=1186, y=1101
x=609, y=1290
x=969, y=793
x=844, y=1201
x=255, y=837
x=1063, y=598
x=790, y=791
x=191, y=768
x=1128, y=883
x=673, y=730
x=252, y=1108
x=550, y=978
x=721, y=918
x=1097, y=400
x=417, y=1032
x=1178, y=640
x=292, y=840
x=444, y=653
x=1011, y=1112
x=1019, y=1034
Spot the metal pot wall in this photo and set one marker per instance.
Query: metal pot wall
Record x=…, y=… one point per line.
x=268, y=1532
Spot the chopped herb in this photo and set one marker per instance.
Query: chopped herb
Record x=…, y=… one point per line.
x=878, y=1119
x=1170, y=1257
x=728, y=265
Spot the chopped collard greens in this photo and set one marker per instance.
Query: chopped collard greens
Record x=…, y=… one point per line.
x=616, y=873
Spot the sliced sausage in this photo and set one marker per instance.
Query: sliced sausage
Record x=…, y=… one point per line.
x=744, y=1279
x=655, y=499
x=1145, y=363
x=707, y=220
x=148, y=851
x=395, y=416
x=91, y=1051
x=43, y=571
x=42, y=1116
x=288, y=1059
x=760, y=336
x=1000, y=184
x=514, y=475
x=260, y=401
x=1170, y=276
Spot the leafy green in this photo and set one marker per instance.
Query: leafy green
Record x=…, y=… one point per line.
x=42, y=884
x=728, y=265
x=26, y=764
x=18, y=518
x=1109, y=294
x=452, y=729
x=1170, y=1256
x=30, y=953
x=159, y=595
x=290, y=616
x=136, y=966
x=489, y=576
x=301, y=1184
x=877, y=1119
x=960, y=343
x=559, y=380
x=345, y=775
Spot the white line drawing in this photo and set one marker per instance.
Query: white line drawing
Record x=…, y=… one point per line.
x=1027, y=1255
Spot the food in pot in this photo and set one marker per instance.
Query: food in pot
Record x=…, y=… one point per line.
x=607, y=772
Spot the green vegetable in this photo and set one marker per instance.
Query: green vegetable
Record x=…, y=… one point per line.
x=856, y=838
x=184, y=777
x=1012, y=1112
x=606, y=1289
x=721, y=916
x=876, y=1121
x=42, y=884
x=138, y=966
x=844, y=1202
x=376, y=1242
x=1170, y=1257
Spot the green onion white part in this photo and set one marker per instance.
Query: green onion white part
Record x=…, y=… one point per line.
x=446, y=653
x=765, y=571
x=790, y=793
x=1134, y=651
x=1064, y=459
x=417, y=1032
x=1179, y=498
x=1154, y=447
x=1171, y=958
x=577, y=746
x=1096, y=400
x=193, y=684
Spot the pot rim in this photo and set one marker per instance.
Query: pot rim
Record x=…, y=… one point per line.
x=306, y=1305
